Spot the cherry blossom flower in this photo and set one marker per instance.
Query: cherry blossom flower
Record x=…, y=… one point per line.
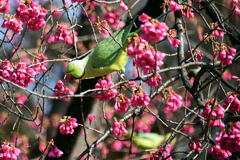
x=140, y=98
x=91, y=117
x=61, y=88
x=194, y=143
x=9, y=151
x=123, y=6
x=119, y=127
x=219, y=153
x=68, y=125
x=122, y=103
x=62, y=33
x=232, y=103
x=107, y=95
x=6, y=7
x=13, y=24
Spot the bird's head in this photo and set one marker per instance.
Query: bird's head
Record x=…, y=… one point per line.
x=75, y=69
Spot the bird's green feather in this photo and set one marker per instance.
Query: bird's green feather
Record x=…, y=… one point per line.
x=106, y=52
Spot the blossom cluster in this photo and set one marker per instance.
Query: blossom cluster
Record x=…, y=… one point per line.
x=122, y=103
x=144, y=55
x=68, y=125
x=197, y=54
x=55, y=152
x=62, y=33
x=39, y=66
x=173, y=101
x=119, y=127
x=232, y=103
x=194, y=143
x=152, y=29
x=225, y=54
x=104, y=84
x=227, y=141
x=174, y=6
x=236, y=9
x=112, y=16
x=154, y=81
x=17, y=73
x=166, y=154
x=187, y=11
x=32, y=14
x=63, y=89
x=140, y=97
x=13, y=24
x=217, y=112
x=9, y=151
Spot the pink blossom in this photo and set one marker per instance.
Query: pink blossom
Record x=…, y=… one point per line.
x=235, y=2
x=91, y=117
x=112, y=16
x=61, y=88
x=38, y=59
x=143, y=18
x=68, y=125
x=174, y=6
x=218, y=112
x=27, y=11
x=117, y=145
x=9, y=151
x=188, y=129
x=56, y=14
x=21, y=99
x=140, y=98
x=227, y=75
x=166, y=154
x=62, y=33
x=153, y=30
x=237, y=10
x=123, y=6
x=154, y=81
x=173, y=41
x=219, y=153
x=232, y=103
x=70, y=40
x=103, y=85
x=119, y=128
x=79, y=1
x=38, y=22
x=55, y=152
x=6, y=7
x=13, y=24
x=122, y=103
x=194, y=143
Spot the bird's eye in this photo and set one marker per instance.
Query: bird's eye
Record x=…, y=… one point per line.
x=73, y=69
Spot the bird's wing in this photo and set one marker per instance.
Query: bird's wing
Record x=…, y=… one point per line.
x=106, y=52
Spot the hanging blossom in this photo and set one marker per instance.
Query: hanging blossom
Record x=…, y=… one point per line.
x=13, y=24
x=27, y=10
x=144, y=54
x=174, y=6
x=38, y=22
x=122, y=103
x=38, y=64
x=9, y=151
x=70, y=40
x=112, y=16
x=165, y=155
x=155, y=81
x=219, y=153
x=197, y=54
x=171, y=38
x=217, y=31
x=173, y=101
x=119, y=127
x=68, y=125
x=17, y=73
x=152, y=29
x=61, y=88
x=227, y=75
x=236, y=9
x=91, y=117
x=54, y=151
x=6, y=7
x=187, y=11
x=232, y=103
x=123, y=6
x=195, y=143
x=62, y=33
x=225, y=53
x=140, y=97
x=218, y=112
x=103, y=84
x=228, y=139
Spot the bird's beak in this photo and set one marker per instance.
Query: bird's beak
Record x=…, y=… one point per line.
x=69, y=77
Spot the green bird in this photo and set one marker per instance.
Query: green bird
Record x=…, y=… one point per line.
x=108, y=56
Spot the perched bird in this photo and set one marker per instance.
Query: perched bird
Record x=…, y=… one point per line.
x=108, y=56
